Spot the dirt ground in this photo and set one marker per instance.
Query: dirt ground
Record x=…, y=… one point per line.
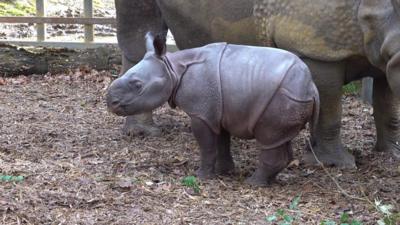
x=78, y=168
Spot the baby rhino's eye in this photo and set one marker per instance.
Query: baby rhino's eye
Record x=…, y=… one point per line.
x=136, y=84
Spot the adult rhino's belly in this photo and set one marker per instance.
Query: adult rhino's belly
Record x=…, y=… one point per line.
x=319, y=29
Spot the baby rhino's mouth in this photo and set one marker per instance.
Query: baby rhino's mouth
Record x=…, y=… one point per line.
x=119, y=111
x=115, y=106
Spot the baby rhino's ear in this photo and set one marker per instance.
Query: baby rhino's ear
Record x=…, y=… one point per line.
x=160, y=45
x=149, y=42
x=396, y=6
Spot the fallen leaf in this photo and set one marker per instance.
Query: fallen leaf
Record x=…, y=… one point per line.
x=149, y=183
x=125, y=184
x=294, y=163
x=20, y=80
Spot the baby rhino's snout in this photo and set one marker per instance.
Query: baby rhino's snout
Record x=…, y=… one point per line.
x=112, y=102
x=114, y=96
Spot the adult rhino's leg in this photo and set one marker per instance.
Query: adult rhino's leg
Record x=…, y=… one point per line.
x=142, y=124
x=387, y=120
x=134, y=19
x=326, y=142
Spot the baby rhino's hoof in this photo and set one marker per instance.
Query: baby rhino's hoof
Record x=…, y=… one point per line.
x=134, y=130
x=205, y=174
x=257, y=182
x=225, y=168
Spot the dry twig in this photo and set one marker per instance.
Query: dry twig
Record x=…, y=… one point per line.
x=341, y=190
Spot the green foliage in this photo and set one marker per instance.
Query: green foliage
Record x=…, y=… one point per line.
x=389, y=218
x=282, y=217
x=9, y=178
x=295, y=203
x=328, y=222
x=190, y=181
x=272, y=218
x=98, y=4
x=352, y=88
x=344, y=220
x=288, y=217
x=102, y=4
x=344, y=217
x=17, y=8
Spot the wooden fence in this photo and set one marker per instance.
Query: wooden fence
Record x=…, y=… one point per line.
x=41, y=20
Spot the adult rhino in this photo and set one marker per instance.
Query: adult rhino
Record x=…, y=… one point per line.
x=340, y=41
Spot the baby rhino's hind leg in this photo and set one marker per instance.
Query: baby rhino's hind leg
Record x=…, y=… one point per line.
x=271, y=162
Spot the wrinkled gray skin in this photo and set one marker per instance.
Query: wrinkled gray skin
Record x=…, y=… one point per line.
x=244, y=91
x=340, y=41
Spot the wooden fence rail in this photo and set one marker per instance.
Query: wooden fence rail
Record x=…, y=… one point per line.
x=59, y=20
x=41, y=20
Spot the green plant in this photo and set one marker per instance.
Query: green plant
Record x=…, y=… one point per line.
x=288, y=217
x=9, y=178
x=283, y=217
x=389, y=218
x=344, y=220
x=328, y=222
x=352, y=88
x=17, y=8
x=191, y=181
x=295, y=203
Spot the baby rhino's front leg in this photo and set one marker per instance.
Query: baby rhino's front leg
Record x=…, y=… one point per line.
x=208, y=142
x=215, y=153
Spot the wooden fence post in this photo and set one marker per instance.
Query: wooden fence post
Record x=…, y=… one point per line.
x=88, y=12
x=40, y=27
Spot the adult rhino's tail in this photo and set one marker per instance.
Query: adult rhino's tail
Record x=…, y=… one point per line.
x=315, y=115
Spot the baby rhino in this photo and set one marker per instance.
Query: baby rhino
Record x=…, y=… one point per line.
x=244, y=91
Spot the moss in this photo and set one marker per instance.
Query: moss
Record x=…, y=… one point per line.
x=352, y=88
x=103, y=4
x=17, y=8
x=97, y=4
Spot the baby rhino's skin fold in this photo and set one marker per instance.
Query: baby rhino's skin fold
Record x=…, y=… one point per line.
x=244, y=91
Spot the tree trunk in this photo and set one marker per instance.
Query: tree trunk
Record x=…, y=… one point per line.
x=25, y=61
